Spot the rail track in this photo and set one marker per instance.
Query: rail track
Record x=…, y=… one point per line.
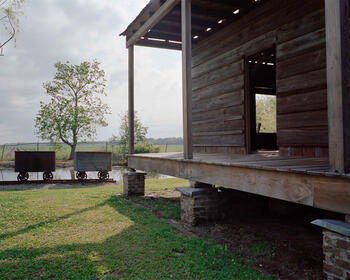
x=54, y=182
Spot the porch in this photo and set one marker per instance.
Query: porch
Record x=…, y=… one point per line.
x=304, y=180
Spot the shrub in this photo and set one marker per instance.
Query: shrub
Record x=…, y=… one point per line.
x=146, y=147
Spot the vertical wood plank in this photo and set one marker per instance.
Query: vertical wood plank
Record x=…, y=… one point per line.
x=338, y=89
x=187, y=77
x=131, y=99
x=248, y=144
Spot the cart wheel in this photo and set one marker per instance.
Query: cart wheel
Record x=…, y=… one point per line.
x=23, y=177
x=47, y=176
x=81, y=175
x=103, y=175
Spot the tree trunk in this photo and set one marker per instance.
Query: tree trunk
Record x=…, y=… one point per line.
x=72, y=152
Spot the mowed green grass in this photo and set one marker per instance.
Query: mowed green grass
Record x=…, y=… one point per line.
x=94, y=233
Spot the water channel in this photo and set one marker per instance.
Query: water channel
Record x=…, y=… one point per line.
x=68, y=174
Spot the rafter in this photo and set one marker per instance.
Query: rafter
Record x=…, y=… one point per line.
x=159, y=44
x=152, y=21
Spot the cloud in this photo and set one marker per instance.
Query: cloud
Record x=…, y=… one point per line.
x=64, y=30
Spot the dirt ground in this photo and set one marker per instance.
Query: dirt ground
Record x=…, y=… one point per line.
x=286, y=246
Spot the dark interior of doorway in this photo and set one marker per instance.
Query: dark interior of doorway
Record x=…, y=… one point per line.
x=261, y=82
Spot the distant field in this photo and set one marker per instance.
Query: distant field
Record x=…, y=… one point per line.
x=170, y=148
x=62, y=152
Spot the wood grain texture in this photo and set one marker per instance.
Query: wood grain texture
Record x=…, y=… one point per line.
x=299, y=180
x=151, y=21
x=131, y=94
x=219, y=77
x=306, y=119
x=332, y=195
x=187, y=77
x=317, y=152
x=338, y=74
x=306, y=101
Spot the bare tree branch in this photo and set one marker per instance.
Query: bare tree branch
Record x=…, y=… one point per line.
x=12, y=35
x=3, y=2
x=10, y=11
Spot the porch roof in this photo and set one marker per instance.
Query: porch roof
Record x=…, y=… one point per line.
x=159, y=23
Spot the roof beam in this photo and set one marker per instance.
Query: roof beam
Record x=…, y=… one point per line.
x=175, y=15
x=159, y=44
x=219, y=6
x=165, y=35
x=142, y=17
x=152, y=21
x=174, y=23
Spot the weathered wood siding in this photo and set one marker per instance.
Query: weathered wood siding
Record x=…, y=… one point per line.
x=297, y=30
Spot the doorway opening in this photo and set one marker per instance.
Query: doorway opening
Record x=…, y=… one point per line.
x=261, y=101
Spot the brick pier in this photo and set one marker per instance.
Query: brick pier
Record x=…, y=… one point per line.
x=134, y=183
x=336, y=248
x=200, y=205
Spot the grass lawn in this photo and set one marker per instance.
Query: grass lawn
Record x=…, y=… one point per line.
x=90, y=233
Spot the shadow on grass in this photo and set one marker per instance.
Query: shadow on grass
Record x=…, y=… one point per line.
x=164, y=207
x=149, y=249
x=50, y=221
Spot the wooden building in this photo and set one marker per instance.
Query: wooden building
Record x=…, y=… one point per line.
x=232, y=50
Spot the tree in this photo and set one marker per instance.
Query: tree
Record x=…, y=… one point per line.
x=140, y=131
x=75, y=108
x=266, y=113
x=10, y=10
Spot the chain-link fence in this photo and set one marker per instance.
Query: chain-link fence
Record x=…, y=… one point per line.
x=7, y=151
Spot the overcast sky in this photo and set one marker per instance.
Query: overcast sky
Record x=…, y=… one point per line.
x=79, y=30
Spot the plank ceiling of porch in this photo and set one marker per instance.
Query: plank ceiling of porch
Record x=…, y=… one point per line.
x=208, y=16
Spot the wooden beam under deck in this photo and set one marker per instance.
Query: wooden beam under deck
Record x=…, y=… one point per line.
x=300, y=180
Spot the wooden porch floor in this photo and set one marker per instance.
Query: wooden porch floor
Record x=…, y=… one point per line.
x=301, y=180
x=261, y=160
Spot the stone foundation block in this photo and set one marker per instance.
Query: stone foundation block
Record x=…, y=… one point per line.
x=200, y=185
x=200, y=205
x=134, y=183
x=336, y=248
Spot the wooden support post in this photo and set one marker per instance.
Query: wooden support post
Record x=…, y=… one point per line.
x=338, y=84
x=187, y=77
x=131, y=99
